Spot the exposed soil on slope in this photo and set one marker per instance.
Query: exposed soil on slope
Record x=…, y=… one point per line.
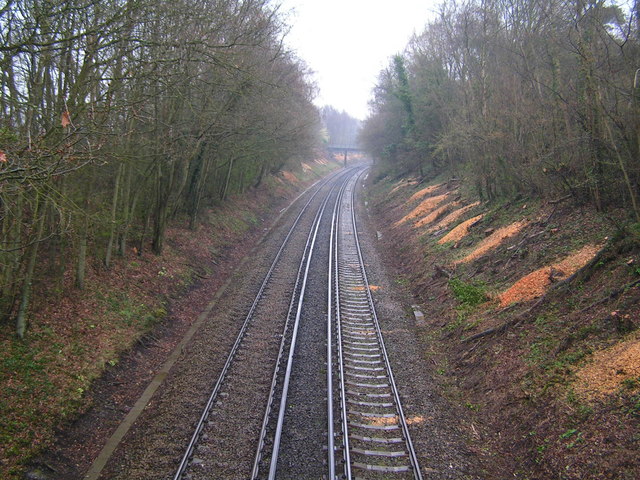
x=549, y=381
x=113, y=394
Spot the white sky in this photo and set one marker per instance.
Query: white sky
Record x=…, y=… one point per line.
x=347, y=42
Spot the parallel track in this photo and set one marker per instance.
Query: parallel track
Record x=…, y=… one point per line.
x=375, y=440
x=280, y=384
x=187, y=459
x=267, y=454
x=367, y=434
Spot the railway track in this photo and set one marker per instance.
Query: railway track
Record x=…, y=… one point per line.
x=240, y=388
x=373, y=432
x=360, y=426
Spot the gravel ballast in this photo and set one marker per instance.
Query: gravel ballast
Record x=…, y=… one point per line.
x=156, y=442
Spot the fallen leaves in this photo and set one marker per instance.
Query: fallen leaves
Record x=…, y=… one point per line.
x=424, y=192
x=290, y=177
x=65, y=119
x=436, y=214
x=360, y=288
x=424, y=208
x=493, y=240
x=453, y=216
x=402, y=184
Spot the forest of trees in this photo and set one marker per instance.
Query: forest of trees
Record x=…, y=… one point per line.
x=118, y=115
x=341, y=128
x=518, y=97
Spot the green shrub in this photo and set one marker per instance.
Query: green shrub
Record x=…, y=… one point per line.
x=467, y=293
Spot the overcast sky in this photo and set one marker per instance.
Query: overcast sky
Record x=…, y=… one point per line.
x=347, y=42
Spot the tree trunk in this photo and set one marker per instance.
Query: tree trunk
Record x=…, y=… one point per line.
x=126, y=212
x=114, y=207
x=145, y=229
x=82, y=253
x=163, y=193
x=81, y=260
x=199, y=190
x=12, y=232
x=21, y=318
x=225, y=188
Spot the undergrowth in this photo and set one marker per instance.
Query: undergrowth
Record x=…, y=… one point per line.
x=468, y=294
x=45, y=377
x=526, y=376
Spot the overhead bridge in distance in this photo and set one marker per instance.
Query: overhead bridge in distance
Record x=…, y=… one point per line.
x=344, y=150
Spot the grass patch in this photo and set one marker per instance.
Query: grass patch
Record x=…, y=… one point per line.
x=46, y=375
x=468, y=294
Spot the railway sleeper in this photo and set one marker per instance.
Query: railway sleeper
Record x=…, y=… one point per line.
x=365, y=362
x=368, y=395
x=359, y=344
x=382, y=468
x=373, y=414
x=367, y=369
x=368, y=385
x=359, y=375
x=370, y=404
x=380, y=453
x=363, y=334
x=358, y=328
x=384, y=428
x=391, y=440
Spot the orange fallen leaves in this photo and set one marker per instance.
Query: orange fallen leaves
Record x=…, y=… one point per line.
x=415, y=419
x=402, y=184
x=290, y=177
x=453, y=216
x=435, y=214
x=424, y=208
x=360, y=288
x=65, y=119
x=424, y=192
x=608, y=368
x=382, y=421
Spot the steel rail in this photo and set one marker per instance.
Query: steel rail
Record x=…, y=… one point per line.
x=184, y=462
x=277, y=378
x=283, y=399
x=283, y=343
x=333, y=272
x=331, y=461
x=370, y=347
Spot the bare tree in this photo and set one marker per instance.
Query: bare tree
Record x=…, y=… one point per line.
x=148, y=110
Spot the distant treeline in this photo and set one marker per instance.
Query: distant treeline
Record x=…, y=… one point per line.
x=530, y=97
x=341, y=129
x=117, y=115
